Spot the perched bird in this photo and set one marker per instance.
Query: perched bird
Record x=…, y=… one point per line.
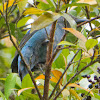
x=34, y=50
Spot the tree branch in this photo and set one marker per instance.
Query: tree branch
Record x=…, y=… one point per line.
x=63, y=73
x=48, y=65
x=77, y=73
x=97, y=17
x=26, y=65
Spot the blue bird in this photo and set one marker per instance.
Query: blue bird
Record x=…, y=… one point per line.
x=34, y=50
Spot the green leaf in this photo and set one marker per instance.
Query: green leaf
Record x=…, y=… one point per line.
x=30, y=96
x=70, y=20
x=73, y=92
x=12, y=28
x=65, y=52
x=59, y=62
x=2, y=95
x=2, y=46
x=44, y=20
x=26, y=83
x=2, y=21
x=43, y=6
x=51, y=2
x=90, y=43
x=21, y=97
x=21, y=5
x=18, y=82
x=23, y=21
x=66, y=43
x=9, y=84
x=33, y=11
x=75, y=4
x=97, y=96
x=98, y=1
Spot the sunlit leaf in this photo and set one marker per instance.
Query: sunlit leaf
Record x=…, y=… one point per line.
x=65, y=93
x=53, y=79
x=82, y=39
x=23, y=21
x=66, y=43
x=33, y=11
x=57, y=74
x=91, y=2
x=44, y=20
x=10, y=3
x=76, y=33
x=21, y=90
x=3, y=79
x=73, y=92
x=40, y=77
x=91, y=43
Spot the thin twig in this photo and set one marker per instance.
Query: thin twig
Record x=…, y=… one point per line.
x=11, y=6
x=79, y=61
x=77, y=73
x=34, y=1
x=88, y=16
x=4, y=36
x=26, y=65
x=97, y=17
x=63, y=74
x=48, y=66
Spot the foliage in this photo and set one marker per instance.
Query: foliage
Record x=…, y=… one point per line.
x=79, y=54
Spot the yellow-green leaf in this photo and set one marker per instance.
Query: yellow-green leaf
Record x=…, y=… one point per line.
x=70, y=20
x=44, y=20
x=91, y=43
x=33, y=11
x=73, y=92
x=22, y=5
x=66, y=43
x=3, y=79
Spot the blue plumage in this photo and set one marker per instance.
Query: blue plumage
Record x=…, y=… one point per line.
x=34, y=51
